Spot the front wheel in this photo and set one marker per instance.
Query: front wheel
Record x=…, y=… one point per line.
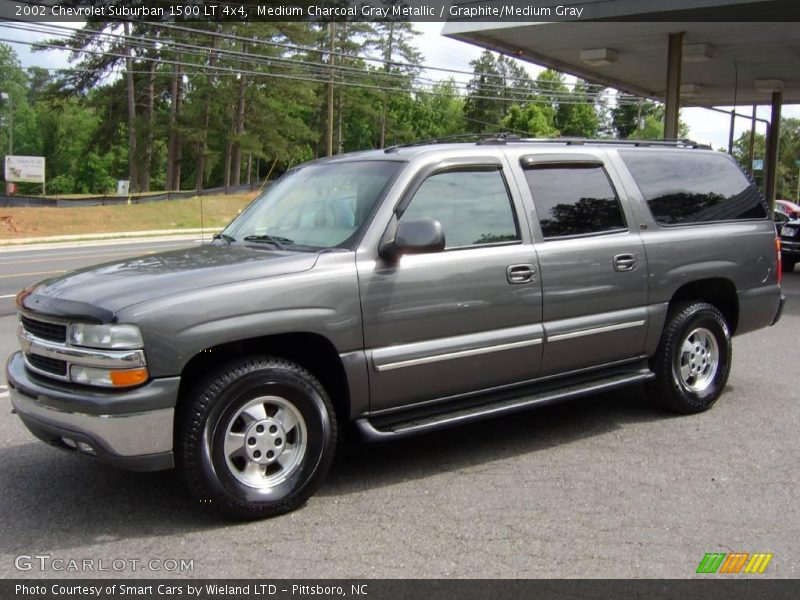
x=256, y=438
x=693, y=359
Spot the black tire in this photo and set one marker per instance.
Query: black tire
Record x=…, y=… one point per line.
x=697, y=392
x=787, y=266
x=213, y=412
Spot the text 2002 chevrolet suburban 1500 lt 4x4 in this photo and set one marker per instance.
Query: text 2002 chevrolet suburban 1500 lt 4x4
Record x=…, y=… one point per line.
x=402, y=290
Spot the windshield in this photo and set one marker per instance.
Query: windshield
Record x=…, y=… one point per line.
x=317, y=206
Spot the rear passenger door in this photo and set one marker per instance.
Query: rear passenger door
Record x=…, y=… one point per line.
x=592, y=264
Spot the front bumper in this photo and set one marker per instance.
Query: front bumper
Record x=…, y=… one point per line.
x=790, y=249
x=131, y=429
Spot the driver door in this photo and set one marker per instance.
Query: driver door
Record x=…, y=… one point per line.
x=468, y=318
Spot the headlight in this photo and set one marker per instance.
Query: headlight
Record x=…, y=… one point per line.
x=115, y=337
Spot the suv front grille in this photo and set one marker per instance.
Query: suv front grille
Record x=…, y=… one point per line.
x=49, y=365
x=44, y=330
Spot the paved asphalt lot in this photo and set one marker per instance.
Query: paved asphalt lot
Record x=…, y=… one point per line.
x=607, y=486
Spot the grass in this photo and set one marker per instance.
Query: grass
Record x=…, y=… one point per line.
x=168, y=214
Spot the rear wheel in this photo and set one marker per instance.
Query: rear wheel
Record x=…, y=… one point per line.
x=693, y=359
x=787, y=265
x=256, y=438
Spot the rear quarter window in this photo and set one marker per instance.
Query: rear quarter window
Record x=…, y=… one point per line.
x=685, y=187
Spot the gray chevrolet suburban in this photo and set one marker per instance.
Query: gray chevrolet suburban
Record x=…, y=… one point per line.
x=401, y=291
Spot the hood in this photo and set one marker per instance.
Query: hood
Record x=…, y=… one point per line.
x=100, y=291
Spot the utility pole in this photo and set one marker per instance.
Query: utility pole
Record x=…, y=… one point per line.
x=332, y=32
x=751, y=148
x=133, y=172
x=639, y=122
x=730, y=131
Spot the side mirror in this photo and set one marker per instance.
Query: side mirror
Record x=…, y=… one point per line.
x=414, y=236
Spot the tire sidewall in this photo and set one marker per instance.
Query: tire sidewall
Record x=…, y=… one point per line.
x=710, y=320
x=266, y=381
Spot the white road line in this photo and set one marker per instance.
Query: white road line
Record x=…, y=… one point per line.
x=7, y=296
x=3, y=394
x=31, y=273
x=26, y=253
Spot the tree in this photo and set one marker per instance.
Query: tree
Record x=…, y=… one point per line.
x=576, y=115
x=641, y=119
x=788, y=153
x=533, y=120
x=395, y=40
x=15, y=85
x=100, y=47
x=630, y=114
x=439, y=112
x=653, y=128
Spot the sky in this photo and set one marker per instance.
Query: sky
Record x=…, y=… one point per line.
x=705, y=126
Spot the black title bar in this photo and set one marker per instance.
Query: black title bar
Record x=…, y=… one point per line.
x=402, y=10
x=712, y=588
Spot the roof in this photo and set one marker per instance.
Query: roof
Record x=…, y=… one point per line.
x=406, y=152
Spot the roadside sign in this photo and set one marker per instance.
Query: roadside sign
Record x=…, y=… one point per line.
x=29, y=169
x=758, y=164
x=123, y=186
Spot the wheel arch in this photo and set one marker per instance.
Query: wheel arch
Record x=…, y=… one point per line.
x=311, y=351
x=718, y=291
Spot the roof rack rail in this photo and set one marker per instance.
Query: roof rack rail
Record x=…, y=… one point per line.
x=481, y=138
x=504, y=138
x=576, y=141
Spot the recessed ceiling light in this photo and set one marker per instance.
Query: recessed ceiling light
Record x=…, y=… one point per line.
x=598, y=56
x=697, y=52
x=689, y=90
x=769, y=85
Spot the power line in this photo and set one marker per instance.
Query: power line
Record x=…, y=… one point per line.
x=510, y=94
x=215, y=69
x=143, y=43
x=307, y=49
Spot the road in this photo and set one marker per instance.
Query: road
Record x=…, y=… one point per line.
x=20, y=267
x=606, y=486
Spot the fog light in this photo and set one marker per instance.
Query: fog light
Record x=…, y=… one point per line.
x=107, y=377
x=86, y=448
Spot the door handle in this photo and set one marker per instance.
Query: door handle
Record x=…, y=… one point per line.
x=520, y=273
x=624, y=262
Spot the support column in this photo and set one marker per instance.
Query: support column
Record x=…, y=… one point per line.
x=673, y=96
x=771, y=168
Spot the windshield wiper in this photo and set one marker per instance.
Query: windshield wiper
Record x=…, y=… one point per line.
x=276, y=240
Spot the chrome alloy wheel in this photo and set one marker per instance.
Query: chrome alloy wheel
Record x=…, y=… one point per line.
x=265, y=442
x=698, y=360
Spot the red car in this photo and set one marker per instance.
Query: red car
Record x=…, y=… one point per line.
x=789, y=207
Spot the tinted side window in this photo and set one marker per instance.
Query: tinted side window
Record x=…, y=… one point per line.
x=574, y=200
x=473, y=207
x=693, y=187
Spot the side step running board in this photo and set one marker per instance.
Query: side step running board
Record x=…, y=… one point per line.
x=403, y=429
